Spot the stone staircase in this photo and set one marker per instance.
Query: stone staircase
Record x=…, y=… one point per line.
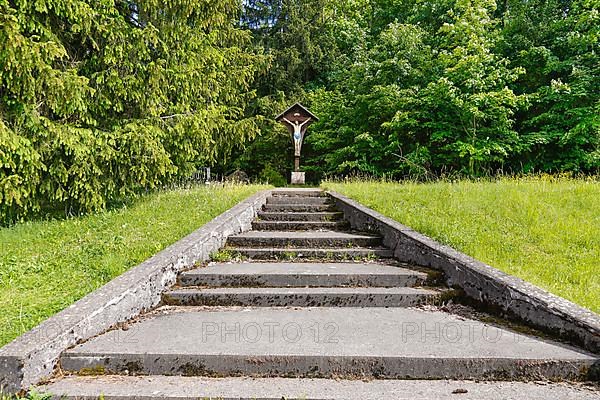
x=307, y=308
x=304, y=224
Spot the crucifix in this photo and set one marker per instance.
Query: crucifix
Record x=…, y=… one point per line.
x=297, y=119
x=298, y=135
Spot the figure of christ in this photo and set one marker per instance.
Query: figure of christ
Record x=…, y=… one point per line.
x=297, y=134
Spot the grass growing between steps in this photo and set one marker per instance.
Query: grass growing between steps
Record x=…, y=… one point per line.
x=545, y=230
x=48, y=265
x=33, y=395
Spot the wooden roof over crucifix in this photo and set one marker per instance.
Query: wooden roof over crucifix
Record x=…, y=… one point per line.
x=296, y=112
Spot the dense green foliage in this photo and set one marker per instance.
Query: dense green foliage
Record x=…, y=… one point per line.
x=104, y=99
x=545, y=230
x=101, y=100
x=429, y=88
x=45, y=266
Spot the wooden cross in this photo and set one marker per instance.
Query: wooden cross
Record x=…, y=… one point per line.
x=297, y=119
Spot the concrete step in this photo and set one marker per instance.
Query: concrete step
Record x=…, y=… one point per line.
x=302, y=297
x=300, y=216
x=302, y=239
x=333, y=254
x=299, y=207
x=390, y=343
x=299, y=193
x=301, y=275
x=299, y=225
x=115, y=387
x=298, y=200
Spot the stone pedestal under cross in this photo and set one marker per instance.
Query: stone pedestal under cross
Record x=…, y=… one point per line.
x=297, y=119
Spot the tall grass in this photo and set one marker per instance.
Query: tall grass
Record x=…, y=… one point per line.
x=46, y=266
x=543, y=229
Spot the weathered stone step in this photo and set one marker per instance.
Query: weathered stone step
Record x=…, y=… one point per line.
x=299, y=193
x=336, y=342
x=159, y=387
x=302, y=239
x=300, y=216
x=301, y=275
x=299, y=225
x=286, y=253
x=302, y=297
x=299, y=207
x=298, y=200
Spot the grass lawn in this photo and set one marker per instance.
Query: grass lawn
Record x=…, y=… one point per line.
x=46, y=266
x=544, y=230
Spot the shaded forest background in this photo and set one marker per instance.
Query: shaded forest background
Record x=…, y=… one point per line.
x=102, y=100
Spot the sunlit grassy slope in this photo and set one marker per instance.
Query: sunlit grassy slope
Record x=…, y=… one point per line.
x=545, y=230
x=46, y=266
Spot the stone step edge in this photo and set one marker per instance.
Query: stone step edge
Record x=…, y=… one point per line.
x=217, y=271
x=308, y=193
x=292, y=242
x=290, y=253
x=216, y=280
x=305, y=297
x=294, y=303
x=299, y=216
x=314, y=200
x=155, y=387
x=327, y=366
x=299, y=207
x=319, y=249
x=337, y=213
x=308, y=224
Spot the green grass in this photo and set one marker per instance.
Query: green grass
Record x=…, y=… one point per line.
x=46, y=266
x=545, y=230
x=32, y=395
